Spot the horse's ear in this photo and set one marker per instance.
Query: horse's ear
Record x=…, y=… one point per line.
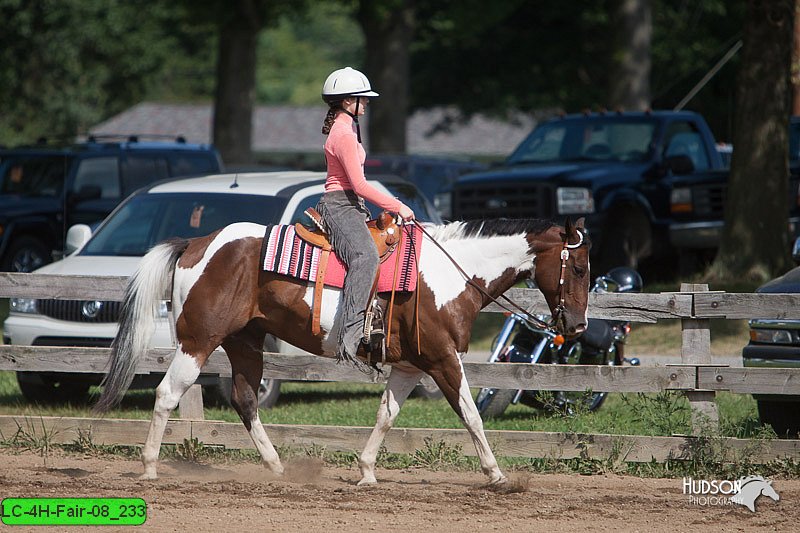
x=568, y=227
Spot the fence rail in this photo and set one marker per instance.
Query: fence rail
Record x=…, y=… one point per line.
x=694, y=305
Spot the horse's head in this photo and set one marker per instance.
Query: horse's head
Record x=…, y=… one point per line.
x=562, y=274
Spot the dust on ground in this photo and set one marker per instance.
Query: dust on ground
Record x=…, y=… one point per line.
x=313, y=496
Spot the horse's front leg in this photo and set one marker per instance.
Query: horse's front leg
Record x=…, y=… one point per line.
x=401, y=382
x=450, y=377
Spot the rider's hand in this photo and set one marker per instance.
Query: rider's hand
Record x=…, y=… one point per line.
x=406, y=213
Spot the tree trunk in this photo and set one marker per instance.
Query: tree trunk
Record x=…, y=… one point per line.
x=755, y=239
x=388, y=29
x=236, y=82
x=629, y=80
x=796, y=62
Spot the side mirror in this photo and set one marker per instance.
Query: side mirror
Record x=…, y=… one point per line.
x=796, y=250
x=77, y=236
x=679, y=164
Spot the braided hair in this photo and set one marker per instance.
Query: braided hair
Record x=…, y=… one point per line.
x=331, y=116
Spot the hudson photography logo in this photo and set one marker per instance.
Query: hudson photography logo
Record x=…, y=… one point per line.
x=744, y=491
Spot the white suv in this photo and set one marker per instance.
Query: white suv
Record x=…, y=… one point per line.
x=189, y=207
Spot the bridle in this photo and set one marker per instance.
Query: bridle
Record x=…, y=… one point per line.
x=561, y=308
x=522, y=313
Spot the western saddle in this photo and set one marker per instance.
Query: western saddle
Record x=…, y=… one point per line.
x=385, y=233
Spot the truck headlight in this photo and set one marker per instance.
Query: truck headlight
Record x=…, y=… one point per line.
x=680, y=200
x=772, y=336
x=23, y=305
x=574, y=200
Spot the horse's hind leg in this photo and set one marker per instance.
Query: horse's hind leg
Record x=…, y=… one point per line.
x=247, y=367
x=181, y=374
x=451, y=380
x=399, y=385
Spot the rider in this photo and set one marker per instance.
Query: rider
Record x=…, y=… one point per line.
x=347, y=92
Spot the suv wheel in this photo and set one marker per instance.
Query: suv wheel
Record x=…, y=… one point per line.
x=45, y=389
x=782, y=416
x=627, y=239
x=26, y=254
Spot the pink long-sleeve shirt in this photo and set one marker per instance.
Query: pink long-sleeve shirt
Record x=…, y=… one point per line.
x=345, y=158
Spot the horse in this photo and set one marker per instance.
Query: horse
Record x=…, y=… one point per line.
x=221, y=297
x=751, y=488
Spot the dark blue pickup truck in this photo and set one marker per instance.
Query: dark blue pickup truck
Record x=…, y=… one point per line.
x=616, y=169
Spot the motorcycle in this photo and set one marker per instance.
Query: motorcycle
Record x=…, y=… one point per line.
x=602, y=343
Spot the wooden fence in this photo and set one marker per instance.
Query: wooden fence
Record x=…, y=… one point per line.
x=696, y=375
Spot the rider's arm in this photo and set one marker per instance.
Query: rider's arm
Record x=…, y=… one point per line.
x=348, y=154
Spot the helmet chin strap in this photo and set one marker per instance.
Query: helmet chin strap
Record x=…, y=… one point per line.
x=355, y=118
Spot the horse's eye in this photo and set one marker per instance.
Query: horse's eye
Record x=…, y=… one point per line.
x=579, y=271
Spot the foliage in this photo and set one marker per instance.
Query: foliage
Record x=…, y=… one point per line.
x=65, y=66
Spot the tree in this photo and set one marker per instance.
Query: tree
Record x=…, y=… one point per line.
x=630, y=63
x=235, y=95
x=388, y=30
x=755, y=239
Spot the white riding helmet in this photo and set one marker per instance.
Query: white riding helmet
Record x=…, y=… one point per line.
x=346, y=82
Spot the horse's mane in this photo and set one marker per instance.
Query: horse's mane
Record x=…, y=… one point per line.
x=489, y=228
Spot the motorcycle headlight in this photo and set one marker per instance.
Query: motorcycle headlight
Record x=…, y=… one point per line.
x=574, y=200
x=23, y=305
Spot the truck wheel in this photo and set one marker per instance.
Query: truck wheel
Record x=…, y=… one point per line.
x=25, y=254
x=627, y=239
x=782, y=416
x=40, y=389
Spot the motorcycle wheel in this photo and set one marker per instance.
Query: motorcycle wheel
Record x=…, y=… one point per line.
x=492, y=403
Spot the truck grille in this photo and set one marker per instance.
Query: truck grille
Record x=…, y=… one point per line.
x=709, y=200
x=80, y=310
x=510, y=200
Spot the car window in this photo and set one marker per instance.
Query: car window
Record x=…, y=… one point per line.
x=101, y=172
x=406, y=192
x=32, y=175
x=683, y=139
x=186, y=164
x=147, y=219
x=138, y=171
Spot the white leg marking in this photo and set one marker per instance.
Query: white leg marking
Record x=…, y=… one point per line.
x=399, y=385
x=474, y=425
x=182, y=373
x=264, y=446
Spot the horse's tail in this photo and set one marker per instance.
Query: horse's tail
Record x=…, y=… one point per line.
x=137, y=319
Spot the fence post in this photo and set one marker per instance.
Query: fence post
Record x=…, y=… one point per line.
x=190, y=406
x=696, y=350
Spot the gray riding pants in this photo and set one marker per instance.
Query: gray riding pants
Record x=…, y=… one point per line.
x=345, y=214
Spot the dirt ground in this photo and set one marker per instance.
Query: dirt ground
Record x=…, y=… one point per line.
x=315, y=497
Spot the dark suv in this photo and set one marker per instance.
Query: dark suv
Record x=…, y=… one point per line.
x=44, y=189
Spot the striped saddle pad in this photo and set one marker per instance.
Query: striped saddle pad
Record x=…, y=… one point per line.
x=283, y=252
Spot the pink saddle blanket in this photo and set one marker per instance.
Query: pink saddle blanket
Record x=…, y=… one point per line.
x=283, y=252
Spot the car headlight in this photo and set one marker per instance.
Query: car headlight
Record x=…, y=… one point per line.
x=23, y=305
x=574, y=200
x=680, y=200
x=772, y=336
x=443, y=204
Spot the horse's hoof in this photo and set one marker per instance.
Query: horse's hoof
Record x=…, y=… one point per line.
x=148, y=476
x=502, y=480
x=366, y=482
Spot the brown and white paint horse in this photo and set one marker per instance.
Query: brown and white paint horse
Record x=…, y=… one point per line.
x=220, y=296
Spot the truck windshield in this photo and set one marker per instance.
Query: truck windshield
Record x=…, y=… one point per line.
x=147, y=219
x=594, y=139
x=33, y=175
